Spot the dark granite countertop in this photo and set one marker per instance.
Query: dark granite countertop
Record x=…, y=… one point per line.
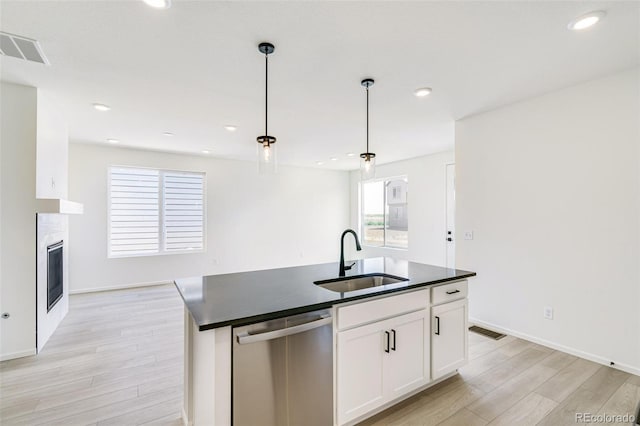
x=247, y=297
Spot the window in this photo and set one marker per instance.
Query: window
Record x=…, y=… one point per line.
x=155, y=211
x=384, y=212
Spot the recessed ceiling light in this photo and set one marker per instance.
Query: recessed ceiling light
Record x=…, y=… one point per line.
x=231, y=128
x=350, y=154
x=167, y=134
x=320, y=163
x=334, y=159
x=422, y=92
x=159, y=4
x=101, y=107
x=205, y=151
x=113, y=141
x=587, y=20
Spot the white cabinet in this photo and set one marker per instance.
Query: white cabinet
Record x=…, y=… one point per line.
x=448, y=337
x=359, y=371
x=379, y=362
x=389, y=347
x=407, y=367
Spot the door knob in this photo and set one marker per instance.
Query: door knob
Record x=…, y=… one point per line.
x=449, y=239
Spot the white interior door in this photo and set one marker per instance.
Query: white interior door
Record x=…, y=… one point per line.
x=451, y=215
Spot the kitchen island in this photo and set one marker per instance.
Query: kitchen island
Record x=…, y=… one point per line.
x=216, y=305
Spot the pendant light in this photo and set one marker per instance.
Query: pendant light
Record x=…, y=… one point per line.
x=266, y=149
x=367, y=159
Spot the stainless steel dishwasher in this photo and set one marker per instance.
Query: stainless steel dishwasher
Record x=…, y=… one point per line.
x=283, y=372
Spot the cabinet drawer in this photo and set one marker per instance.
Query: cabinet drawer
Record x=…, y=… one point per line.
x=449, y=292
x=385, y=307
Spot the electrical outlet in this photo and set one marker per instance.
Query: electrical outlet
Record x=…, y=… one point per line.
x=468, y=235
x=548, y=312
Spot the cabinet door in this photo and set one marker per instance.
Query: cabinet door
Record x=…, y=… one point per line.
x=359, y=371
x=406, y=366
x=448, y=337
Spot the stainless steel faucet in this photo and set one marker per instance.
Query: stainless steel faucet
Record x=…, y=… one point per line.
x=344, y=268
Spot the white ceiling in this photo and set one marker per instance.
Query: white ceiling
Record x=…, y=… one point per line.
x=195, y=67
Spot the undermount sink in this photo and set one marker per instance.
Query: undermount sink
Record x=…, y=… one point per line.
x=359, y=282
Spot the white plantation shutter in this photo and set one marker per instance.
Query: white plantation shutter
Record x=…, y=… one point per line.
x=155, y=211
x=134, y=211
x=183, y=211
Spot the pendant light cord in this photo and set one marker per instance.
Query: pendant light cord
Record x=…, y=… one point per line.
x=367, y=119
x=266, y=94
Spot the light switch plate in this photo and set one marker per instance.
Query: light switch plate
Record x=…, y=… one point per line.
x=468, y=235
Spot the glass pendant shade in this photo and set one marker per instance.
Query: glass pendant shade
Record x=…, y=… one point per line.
x=367, y=166
x=267, y=156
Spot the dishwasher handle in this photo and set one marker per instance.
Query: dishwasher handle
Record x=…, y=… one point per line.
x=245, y=338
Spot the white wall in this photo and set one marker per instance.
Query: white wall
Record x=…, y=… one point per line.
x=294, y=217
x=550, y=188
x=427, y=208
x=18, y=105
x=52, y=149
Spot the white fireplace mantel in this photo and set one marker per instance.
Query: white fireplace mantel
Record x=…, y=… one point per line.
x=58, y=205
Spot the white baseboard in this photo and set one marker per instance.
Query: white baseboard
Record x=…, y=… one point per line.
x=117, y=287
x=553, y=345
x=185, y=419
x=19, y=354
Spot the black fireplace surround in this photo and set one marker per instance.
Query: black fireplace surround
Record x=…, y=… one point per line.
x=54, y=274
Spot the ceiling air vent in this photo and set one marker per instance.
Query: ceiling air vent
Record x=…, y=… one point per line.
x=21, y=48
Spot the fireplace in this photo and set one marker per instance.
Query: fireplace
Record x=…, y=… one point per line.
x=55, y=277
x=52, y=274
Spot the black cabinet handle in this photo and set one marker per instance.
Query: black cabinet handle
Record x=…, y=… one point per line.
x=386, y=349
x=438, y=326
x=453, y=292
x=393, y=348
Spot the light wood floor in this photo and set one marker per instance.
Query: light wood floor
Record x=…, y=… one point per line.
x=513, y=382
x=117, y=359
